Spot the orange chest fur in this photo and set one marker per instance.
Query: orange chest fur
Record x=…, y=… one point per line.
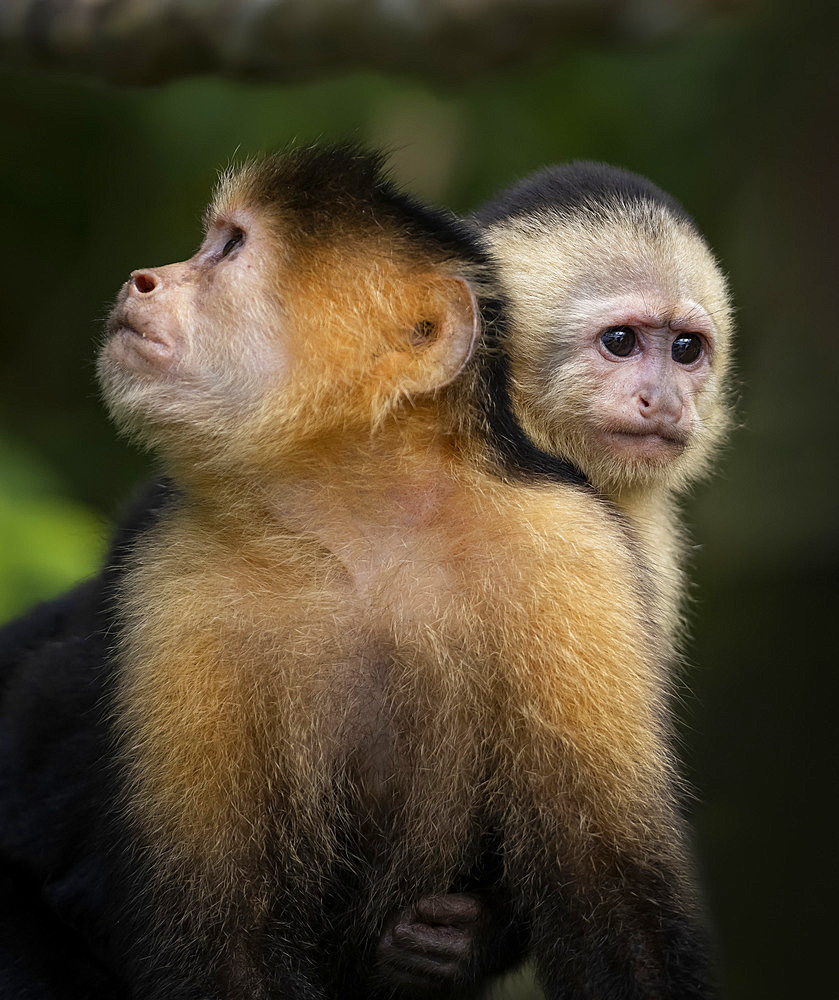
x=248, y=686
x=246, y=697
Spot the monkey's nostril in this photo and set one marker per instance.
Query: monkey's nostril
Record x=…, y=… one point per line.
x=144, y=282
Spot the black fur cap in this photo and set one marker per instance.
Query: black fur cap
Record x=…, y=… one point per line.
x=569, y=188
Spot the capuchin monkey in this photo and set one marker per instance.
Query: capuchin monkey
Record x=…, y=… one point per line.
x=620, y=343
x=374, y=648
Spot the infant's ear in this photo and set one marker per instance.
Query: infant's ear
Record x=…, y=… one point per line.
x=442, y=339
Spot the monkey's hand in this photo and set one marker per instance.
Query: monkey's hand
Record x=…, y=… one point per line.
x=433, y=944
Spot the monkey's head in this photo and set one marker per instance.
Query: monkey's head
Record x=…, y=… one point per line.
x=320, y=301
x=621, y=325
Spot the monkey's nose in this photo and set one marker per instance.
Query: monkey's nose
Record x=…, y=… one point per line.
x=653, y=403
x=143, y=282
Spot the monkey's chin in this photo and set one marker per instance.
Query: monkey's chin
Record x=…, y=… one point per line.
x=138, y=394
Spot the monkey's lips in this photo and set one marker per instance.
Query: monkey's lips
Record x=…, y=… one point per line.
x=650, y=443
x=133, y=344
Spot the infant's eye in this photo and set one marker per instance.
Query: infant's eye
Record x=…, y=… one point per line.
x=236, y=240
x=686, y=349
x=619, y=340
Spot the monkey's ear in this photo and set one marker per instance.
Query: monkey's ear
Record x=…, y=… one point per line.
x=442, y=340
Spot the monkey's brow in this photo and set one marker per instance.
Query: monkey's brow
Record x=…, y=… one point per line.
x=692, y=315
x=698, y=316
x=212, y=217
x=217, y=215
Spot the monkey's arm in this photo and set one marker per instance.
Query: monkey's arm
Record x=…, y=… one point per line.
x=633, y=934
x=613, y=911
x=51, y=795
x=614, y=914
x=42, y=623
x=54, y=664
x=41, y=957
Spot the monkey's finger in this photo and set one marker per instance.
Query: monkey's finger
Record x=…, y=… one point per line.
x=441, y=942
x=454, y=908
x=419, y=971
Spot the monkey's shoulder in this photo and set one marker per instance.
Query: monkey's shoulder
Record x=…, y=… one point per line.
x=561, y=532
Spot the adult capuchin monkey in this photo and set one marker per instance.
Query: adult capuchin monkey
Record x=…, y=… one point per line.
x=377, y=648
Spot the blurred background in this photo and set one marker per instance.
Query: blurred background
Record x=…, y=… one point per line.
x=732, y=107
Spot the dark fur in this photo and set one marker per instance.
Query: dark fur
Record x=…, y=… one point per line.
x=54, y=787
x=571, y=188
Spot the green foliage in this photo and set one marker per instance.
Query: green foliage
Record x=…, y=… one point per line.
x=47, y=542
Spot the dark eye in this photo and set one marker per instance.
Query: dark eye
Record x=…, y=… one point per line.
x=686, y=349
x=236, y=240
x=619, y=340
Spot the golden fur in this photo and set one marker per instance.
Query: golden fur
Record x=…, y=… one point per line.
x=256, y=671
x=350, y=626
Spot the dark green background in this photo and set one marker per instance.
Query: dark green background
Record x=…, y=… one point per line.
x=738, y=118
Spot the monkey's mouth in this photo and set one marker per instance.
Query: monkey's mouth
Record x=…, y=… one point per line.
x=131, y=342
x=647, y=443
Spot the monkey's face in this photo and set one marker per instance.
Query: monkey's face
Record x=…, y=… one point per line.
x=619, y=346
x=271, y=335
x=195, y=343
x=638, y=384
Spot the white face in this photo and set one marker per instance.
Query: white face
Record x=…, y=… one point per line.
x=620, y=344
x=649, y=359
x=197, y=340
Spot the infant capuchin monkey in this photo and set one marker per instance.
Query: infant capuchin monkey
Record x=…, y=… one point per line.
x=620, y=342
x=374, y=648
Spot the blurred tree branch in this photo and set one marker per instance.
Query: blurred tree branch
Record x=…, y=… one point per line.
x=147, y=41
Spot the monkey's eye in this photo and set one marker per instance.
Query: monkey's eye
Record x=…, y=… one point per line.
x=686, y=349
x=236, y=240
x=619, y=340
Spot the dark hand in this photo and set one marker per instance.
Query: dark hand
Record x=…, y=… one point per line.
x=431, y=944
